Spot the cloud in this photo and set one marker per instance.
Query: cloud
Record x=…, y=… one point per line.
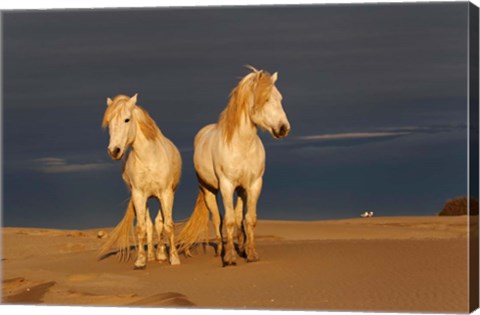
x=353, y=135
x=314, y=142
x=58, y=165
x=390, y=132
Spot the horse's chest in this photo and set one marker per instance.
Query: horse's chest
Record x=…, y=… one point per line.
x=146, y=178
x=244, y=168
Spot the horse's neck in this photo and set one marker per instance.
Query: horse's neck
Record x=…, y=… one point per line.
x=246, y=132
x=143, y=148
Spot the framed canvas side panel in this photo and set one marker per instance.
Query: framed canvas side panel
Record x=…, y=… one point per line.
x=473, y=154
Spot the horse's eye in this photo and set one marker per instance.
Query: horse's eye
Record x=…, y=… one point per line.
x=127, y=120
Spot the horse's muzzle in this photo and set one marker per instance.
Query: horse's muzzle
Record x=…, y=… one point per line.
x=115, y=154
x=282, y=132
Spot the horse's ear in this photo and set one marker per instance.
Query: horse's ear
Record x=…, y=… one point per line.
x=133, y=99
x=275, y=77
x=132, y=102
x=109, y=101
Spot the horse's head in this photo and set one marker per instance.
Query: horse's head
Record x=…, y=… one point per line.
x=267, y=111
x=118, y=118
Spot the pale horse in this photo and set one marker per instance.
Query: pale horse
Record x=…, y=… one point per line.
x=229, y=156
x=152, y=169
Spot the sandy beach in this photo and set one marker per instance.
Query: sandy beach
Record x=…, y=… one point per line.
x=372, y=264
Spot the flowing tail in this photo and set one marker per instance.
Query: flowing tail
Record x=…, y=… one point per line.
x=120, y=236
x=196, y=228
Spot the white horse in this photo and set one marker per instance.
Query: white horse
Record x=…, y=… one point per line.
x=229, y=156
x=152, y=169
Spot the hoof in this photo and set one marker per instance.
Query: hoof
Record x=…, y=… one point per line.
x=161, y=254
x=242, y=253
x=174, y=260
x=139, y=267
x=229, y=263
x=229, y=260
x=140, y=263
x=251, y=253
x=151, y=257
x=219, y=248
x=161, y=257
x=230, y=256
x=187, y=253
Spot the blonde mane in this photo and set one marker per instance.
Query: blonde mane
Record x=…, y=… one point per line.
x=113, y=109
x=146, y=123
x=258, y=83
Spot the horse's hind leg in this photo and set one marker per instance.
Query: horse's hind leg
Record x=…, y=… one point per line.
x=227, y=190
x=166, y=200
x=211, y=202
x=150, y=252
x=253, y=193
x=239, y=221
x=161, y=254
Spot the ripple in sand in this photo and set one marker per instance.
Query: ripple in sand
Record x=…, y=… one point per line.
x=163, y=299
x=21, y=291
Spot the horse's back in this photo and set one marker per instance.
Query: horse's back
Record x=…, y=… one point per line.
x=202, y=133
x=175, y=161
x=202, y=155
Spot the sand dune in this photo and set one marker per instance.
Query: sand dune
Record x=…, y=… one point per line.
x=373, y=264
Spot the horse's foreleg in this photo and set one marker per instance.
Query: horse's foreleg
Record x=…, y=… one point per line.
x=140, y=203
x=253, y=193
x=227, y=189
x=211, y=202
x=150, y=252
x=239, y=220
x=166, y=199
x=161, y=254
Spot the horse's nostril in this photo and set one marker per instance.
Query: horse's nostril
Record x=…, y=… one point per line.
x=283, y=130
x=114, y=153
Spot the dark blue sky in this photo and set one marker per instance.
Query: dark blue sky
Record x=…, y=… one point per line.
x=376, y=95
